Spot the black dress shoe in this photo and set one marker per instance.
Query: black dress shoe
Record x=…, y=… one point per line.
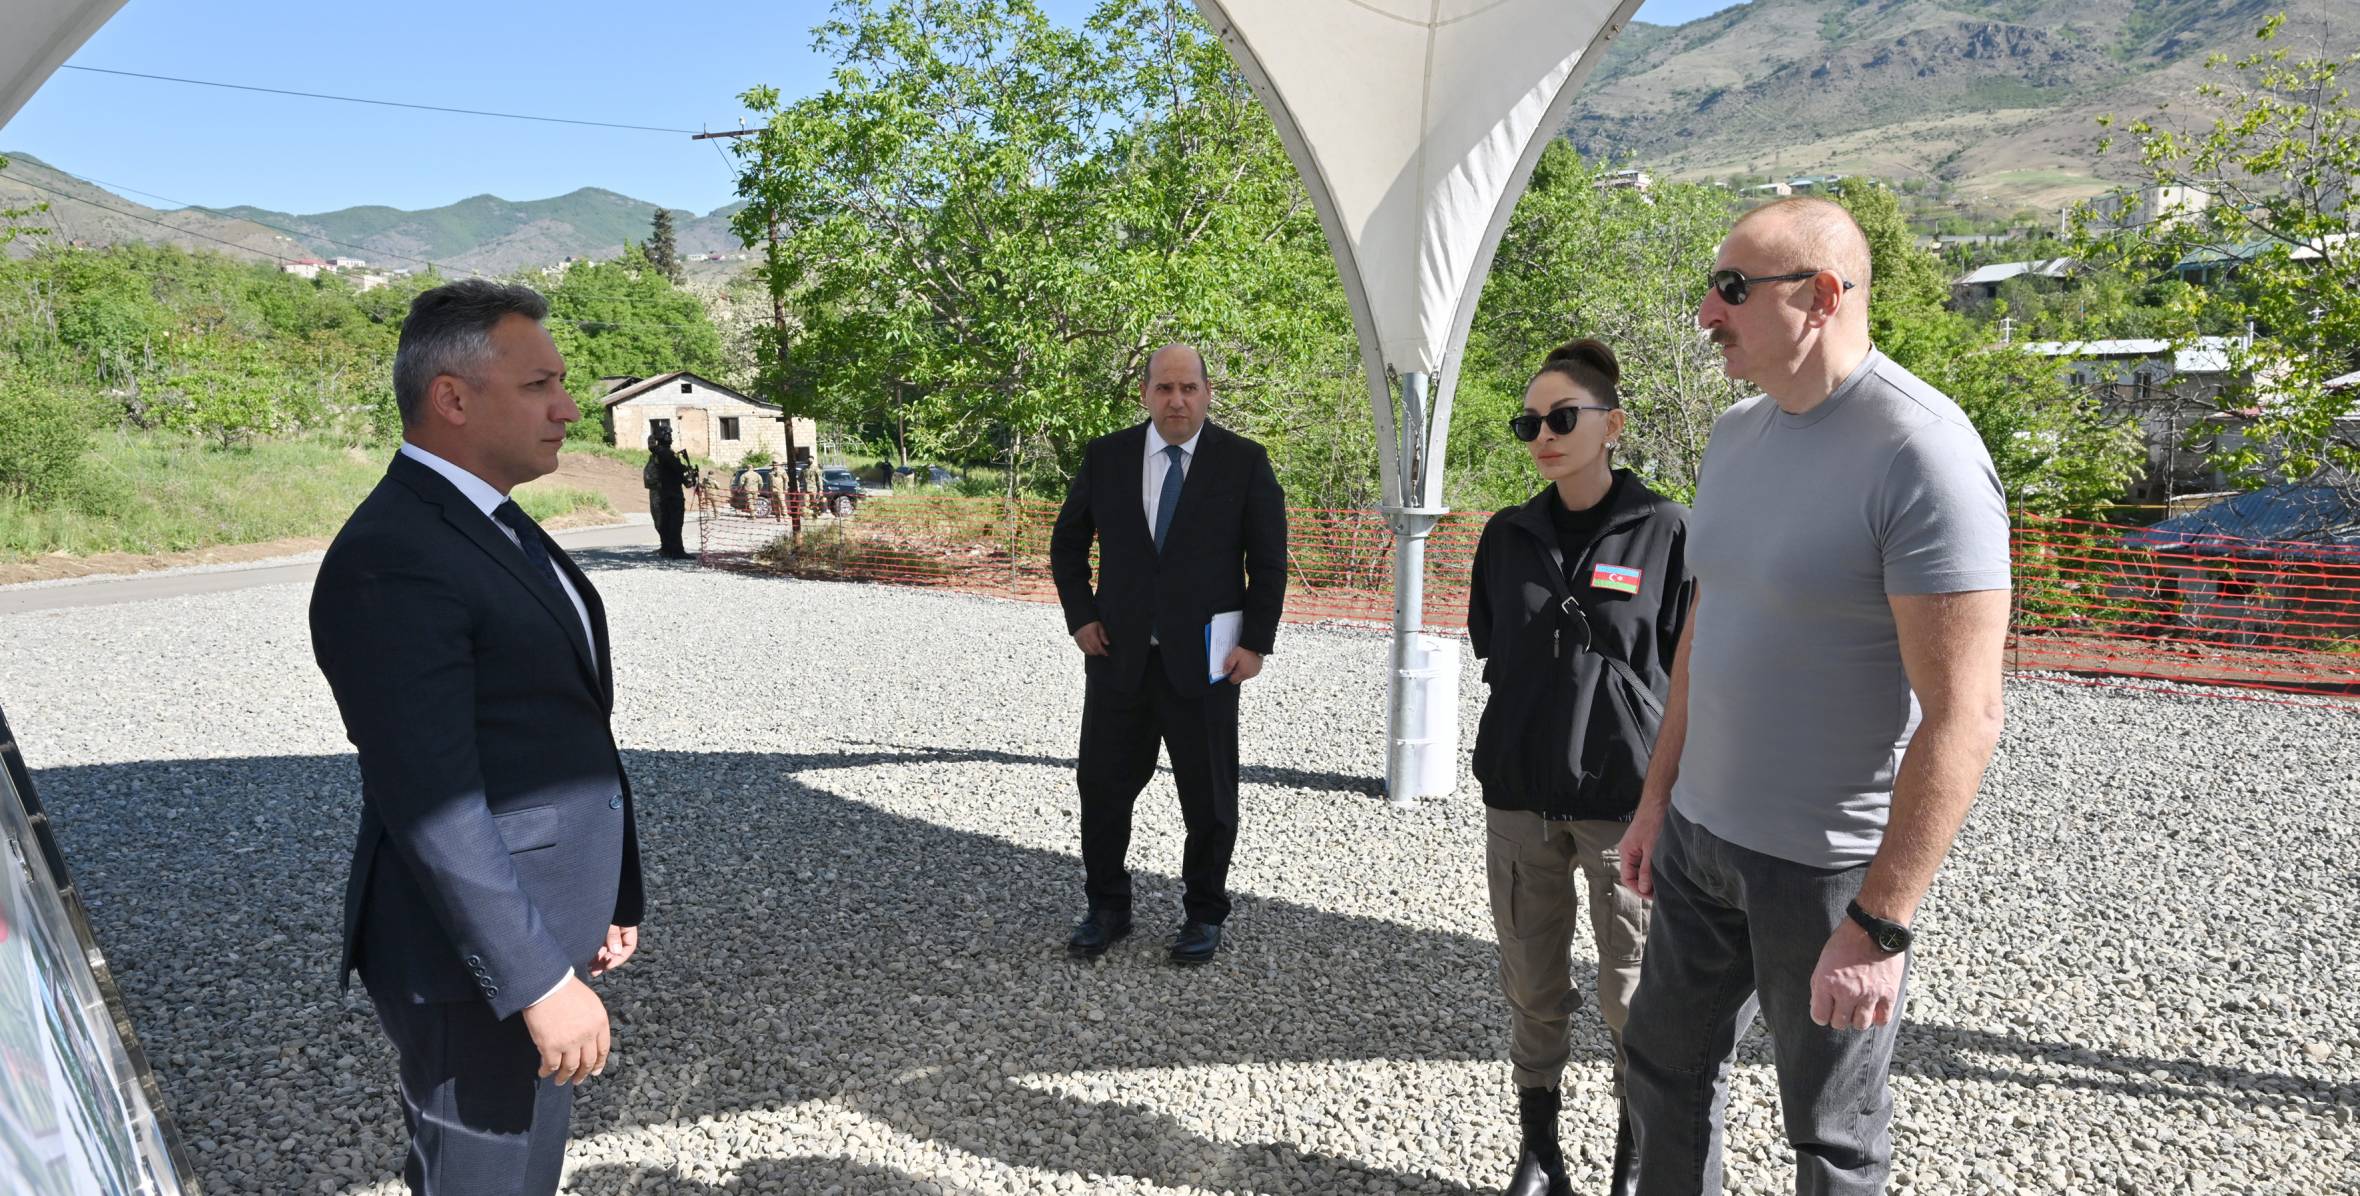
x=1097, y=932
x=1196, y=943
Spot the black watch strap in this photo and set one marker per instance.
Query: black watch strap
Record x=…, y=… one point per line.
x=1892, y=938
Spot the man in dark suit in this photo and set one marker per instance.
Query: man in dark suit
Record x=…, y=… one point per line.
x=497, y=867
x=1190, y=523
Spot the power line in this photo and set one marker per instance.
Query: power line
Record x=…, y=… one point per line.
x=186, y=232
x=444, y=267
x=578, y=323
x=314, y=95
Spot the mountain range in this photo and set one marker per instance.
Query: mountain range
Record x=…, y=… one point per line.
x=1997, y=98
x=482, y=233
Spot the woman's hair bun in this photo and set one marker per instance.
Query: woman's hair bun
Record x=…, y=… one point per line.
x=1591, y=353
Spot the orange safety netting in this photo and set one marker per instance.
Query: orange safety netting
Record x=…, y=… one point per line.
x=2214, y=610
x=2091, y=598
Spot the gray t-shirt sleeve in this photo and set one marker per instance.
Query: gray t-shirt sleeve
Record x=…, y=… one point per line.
x=1941, y=518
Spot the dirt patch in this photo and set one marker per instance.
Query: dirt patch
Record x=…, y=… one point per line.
x=617, y=481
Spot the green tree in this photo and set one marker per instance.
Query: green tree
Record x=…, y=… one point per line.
x=12, y=223
x=2275, y=245
x=625, y=318
x=2055, y=453
x=989, y=222
x=1618, y=264
x=663, y=251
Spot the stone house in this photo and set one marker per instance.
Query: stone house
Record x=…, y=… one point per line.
x=710, y=422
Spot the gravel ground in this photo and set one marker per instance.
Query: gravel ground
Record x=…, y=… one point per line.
x=2137, y=974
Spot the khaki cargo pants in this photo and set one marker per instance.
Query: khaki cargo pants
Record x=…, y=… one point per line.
x=1532, y=863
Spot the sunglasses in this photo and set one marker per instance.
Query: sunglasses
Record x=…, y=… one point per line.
x=1527, y=426
x=1733, y=286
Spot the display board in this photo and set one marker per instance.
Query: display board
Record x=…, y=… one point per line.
x=79, y=1110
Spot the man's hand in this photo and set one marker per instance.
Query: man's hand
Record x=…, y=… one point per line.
x=1637, y=848
x=569, y=1029
x=621, y=941
x=1855, y=985
x=1091, y=639
x=1243, y=665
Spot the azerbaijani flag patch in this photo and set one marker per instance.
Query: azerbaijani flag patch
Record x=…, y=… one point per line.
x=1615, y=577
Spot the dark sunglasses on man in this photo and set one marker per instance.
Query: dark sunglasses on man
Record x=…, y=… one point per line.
x=1527, y=426
x=1733, y=286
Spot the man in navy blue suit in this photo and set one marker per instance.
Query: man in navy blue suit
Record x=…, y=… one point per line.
x=497, y=867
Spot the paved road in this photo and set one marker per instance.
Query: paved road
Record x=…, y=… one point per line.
x=633, y=532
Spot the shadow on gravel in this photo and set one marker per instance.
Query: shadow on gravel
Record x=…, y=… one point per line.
x=608, y=560
x=1248, y=774
x=805, y=947
x=755, y=1177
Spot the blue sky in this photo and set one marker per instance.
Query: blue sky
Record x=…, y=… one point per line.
x=589, y=60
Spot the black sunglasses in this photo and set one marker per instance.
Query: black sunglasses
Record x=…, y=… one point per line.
x=1733, y=286
x=1527, y=426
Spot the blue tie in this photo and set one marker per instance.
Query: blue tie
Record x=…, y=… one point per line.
x=1169, y=498
x=528, y=538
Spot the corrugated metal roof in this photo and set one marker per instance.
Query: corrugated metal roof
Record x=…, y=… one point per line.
x=2140, y=347
x=2276, y=520
x=2204, y=355
x=2055, y=267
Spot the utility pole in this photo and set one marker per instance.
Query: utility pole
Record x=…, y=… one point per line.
x=792, y=493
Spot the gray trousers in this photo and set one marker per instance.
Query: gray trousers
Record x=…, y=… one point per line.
x=1735, y=931
x=1532, y=864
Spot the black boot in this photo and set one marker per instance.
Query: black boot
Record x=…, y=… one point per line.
x=1540, y=1167
x=1625, y=1181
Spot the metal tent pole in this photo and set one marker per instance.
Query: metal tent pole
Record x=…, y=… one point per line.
x=1412, y=704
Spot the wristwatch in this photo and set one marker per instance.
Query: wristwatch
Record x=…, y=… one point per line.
x=1892, y=938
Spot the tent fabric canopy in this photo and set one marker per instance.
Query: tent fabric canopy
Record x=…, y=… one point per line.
x=1412, y=122
x=39, y=35
x=1415, y=124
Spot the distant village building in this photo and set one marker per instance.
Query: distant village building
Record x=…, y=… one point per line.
x=2174, y=393
x=2152, y=204
x=1636, y=180
x=2211, y=264
x=346, y=263
x=1780, y=190
x=1983, y=284
x=303, y=267
x=709, y=421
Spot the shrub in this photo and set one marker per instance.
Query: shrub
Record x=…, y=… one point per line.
x=43, y=437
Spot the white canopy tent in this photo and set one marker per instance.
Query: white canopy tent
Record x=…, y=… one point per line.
x=1415, y=125
x=36, y=37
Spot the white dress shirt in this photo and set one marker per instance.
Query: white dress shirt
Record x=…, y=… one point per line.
x=1152, y=469
x=1153, y=466
x=487, y=498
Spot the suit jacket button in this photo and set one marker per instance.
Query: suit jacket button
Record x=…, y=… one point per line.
x=614, y=803
x=475, y=961
x=491, y=990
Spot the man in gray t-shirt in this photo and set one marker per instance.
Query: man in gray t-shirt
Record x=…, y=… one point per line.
x=1834, y=700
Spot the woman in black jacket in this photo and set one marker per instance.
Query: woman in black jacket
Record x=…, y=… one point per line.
x=1575, y=609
